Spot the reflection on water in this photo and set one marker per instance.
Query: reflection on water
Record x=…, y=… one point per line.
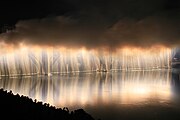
x=82, y=89
x=175, y=85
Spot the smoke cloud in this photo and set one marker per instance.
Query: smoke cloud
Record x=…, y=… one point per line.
x=76, y=32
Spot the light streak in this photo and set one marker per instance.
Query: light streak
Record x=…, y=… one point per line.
x=29, y=60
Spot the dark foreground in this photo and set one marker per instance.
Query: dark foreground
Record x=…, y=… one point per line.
x=21, y=107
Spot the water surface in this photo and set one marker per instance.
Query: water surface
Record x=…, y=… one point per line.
x=107, y=95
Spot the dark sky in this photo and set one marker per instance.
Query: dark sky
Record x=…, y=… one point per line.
x=80, y=22
x=11, y=10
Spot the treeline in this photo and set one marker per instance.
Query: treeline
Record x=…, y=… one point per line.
x=24, y=108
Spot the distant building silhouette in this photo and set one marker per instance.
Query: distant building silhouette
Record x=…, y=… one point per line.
x=176, y=57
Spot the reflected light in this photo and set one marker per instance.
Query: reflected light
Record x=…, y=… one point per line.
x=127, y=75
x=131, y=87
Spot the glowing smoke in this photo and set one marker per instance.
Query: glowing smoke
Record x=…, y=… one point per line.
x=71, y=32
x=135, y=42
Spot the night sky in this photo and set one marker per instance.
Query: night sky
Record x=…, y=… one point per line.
x=91, y=23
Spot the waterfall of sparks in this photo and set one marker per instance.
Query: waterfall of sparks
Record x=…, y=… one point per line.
x=47, y=61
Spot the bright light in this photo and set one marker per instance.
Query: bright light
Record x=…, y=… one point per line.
x=46, y=60
x=131, y=87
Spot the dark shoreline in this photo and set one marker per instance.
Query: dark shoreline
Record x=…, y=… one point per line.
x=23, y=107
